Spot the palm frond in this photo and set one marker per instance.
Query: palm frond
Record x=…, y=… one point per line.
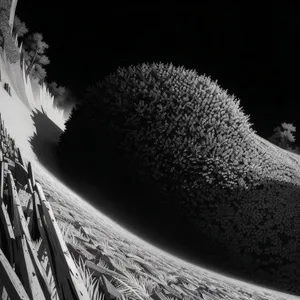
x=149, y=284
x=129, y=284
x=103, y=264
x=170, y=298
x=91, y=283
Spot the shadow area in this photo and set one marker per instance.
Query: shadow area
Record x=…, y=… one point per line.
x=153, y=217
x=44, y=145
x=44, y=141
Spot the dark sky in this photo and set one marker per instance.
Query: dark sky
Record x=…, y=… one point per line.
x=251, y=51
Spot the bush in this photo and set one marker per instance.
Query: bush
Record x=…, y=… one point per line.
x=162, y=120
x=157, y=127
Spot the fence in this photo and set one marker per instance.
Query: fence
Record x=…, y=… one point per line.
x=22, y=275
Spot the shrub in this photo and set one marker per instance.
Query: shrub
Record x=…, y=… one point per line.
x=170, y=130
x=162, y=119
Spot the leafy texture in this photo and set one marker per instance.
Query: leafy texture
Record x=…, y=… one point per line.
x=284, y=138
x=33, y=52
x=7, y=42
x=168, y=129
x=19, y=28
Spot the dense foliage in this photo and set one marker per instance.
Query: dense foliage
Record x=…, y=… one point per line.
x=33, y=52
x=180, y=134
x=19, y=28
x=159, y=117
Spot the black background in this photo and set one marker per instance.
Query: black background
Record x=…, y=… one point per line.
x=251, y=51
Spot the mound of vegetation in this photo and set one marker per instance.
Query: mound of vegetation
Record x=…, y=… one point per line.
x=172, y=144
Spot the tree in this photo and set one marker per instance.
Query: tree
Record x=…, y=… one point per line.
x=56, y=90
x=284, y=138
x=19, y=27
x=38, y=72
x=33, y=53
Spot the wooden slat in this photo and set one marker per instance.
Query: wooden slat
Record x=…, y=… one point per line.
x=21, y=174
x=25, y=268
x=29, y=187
x=109, y=289
x=76, y=252
x=8, y=233
x=70, y=285
x=10, y=200
x=20, y=158
x=1, y=179
x=31, y=175
x=10, y=163
x=41, y=224
x=33, y=226
x=6, y=225
x=99, y=271
x=40, y=278
x=41, y=251
x=28, y=208
x=11, y=281
x=23, y=262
